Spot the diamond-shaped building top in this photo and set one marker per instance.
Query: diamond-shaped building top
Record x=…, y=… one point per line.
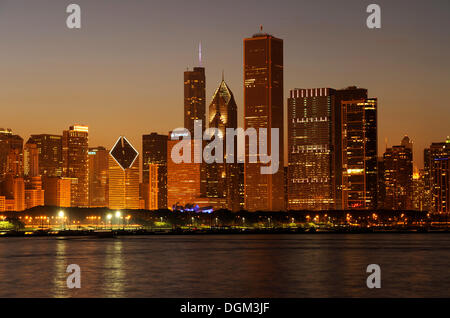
x=124, y=153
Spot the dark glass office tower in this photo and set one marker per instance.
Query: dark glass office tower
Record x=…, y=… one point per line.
x=154, y=152
x=194, y=98
x=310, y=149
x=346, y=94
x=359, y=154
x=50, y=154
x=263, y=108
x=222, y=179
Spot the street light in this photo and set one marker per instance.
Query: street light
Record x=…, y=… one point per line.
x=109, y=217
x=118, y=215
x=62, y=217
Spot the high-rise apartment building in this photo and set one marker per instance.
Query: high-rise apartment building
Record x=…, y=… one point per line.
x=311, y=184
x=222, y=179
x=359, y=154
x=75, y=147
x=154, y=152
x=123, y=172
x=11, y=154
x=98, y=177
x=437, y=168
x=50, y=154
x=263, y=108
x=398, y=178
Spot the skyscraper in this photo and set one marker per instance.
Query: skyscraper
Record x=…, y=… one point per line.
x=194, y=98
x=263, y=108
x=184, y=184
x=123, y=171
x=98, y=177
x=75, y=147
x=311, y=184
x=154, y=152
x=50, y=154
x=359, y=154
x=31, y=160
x=223, y=178
x=437, y=164
x=11, y=153
x=347, y=94
x=398, y=177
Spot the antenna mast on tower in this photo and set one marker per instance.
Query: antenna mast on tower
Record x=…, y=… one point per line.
x=200, y=54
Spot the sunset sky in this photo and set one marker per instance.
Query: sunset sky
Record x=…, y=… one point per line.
x=122, y=73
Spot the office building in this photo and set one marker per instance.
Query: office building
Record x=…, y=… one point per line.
x=263, y=108
x=222, y=179
x=398, y=178
x=311, y=184
x=50, y=154
x=75, y=147
x=123, y=171
x=98, y=177
x=359, y=154
x=154, y=152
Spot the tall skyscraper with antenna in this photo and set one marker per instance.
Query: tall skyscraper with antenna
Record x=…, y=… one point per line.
x=194, y=95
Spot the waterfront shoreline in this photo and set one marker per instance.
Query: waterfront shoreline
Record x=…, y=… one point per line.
x=119, y=233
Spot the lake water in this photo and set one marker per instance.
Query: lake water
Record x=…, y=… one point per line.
x=309, y=265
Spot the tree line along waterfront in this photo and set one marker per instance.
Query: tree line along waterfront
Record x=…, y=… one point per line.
x=85, y=221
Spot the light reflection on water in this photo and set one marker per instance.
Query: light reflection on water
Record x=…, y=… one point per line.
x=331, y=265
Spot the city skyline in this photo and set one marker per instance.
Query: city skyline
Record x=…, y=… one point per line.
x=77, y=79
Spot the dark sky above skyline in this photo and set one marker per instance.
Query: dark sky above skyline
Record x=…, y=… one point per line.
x=122, y=73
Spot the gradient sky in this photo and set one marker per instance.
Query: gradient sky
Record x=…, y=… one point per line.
x=122, y=73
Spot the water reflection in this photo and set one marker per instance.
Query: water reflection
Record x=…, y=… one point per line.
x=59, y=273
x=114, y=277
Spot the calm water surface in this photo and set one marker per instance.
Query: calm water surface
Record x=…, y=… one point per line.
x=329, y=265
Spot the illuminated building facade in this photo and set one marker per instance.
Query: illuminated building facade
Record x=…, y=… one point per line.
x=154, y=152
x=420, y=200
x=222, y=179
x=57, y=191
x=34, y=194
x=50, y=154
x=183, y=179
x=438, y=174
x=11, y=152
x=359, y=154
x=310, y=149
x=98, y=177
x=13, y=188
x=31, y=160
x=398, y=178
x=123, y=171
x=263, y=108
x=75, y=147
x=194, y=98
x=152, y=188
